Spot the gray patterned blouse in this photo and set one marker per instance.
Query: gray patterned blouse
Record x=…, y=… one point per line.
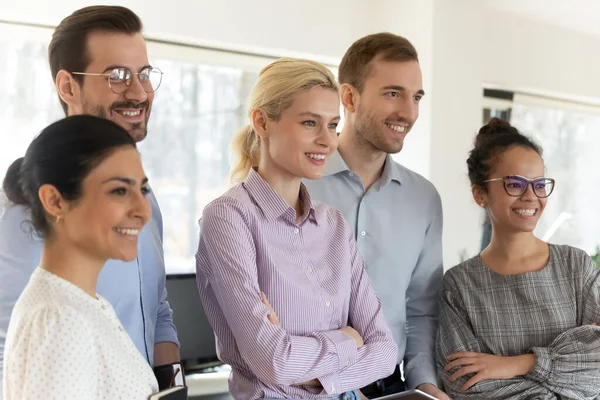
x=548, y=313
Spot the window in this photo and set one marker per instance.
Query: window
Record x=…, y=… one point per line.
x=199, y=106
x=196, y=112
x=28, y=102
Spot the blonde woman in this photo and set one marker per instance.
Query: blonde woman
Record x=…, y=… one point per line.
x=266, y=239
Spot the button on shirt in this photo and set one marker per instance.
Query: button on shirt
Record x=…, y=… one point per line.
x=135, y=289
x=313, y=277
x=64, y=344
x=398, y=228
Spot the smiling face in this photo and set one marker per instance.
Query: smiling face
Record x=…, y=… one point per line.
x=510, y=214
x=388, y=105
x=106, y=220
x=299, y=143
x=130, y=109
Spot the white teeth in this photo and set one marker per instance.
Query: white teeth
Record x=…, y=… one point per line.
x=397, y=128
x=130, y=232
x=526, y=212
x=316, y=156
x=131, y=113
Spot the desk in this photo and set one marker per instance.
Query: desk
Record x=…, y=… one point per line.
x=208, y=384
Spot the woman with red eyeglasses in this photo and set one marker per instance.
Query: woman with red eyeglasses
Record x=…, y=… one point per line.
x=518, y=320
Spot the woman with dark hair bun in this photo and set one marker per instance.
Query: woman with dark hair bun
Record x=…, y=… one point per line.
x=83, y=183
x=518, y=321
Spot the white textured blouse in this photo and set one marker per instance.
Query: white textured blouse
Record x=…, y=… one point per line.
x=64, y=344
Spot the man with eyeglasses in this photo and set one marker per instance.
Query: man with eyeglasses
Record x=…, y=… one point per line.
x=99, y=63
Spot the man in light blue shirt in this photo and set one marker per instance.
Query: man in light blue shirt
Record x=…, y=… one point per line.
x=99, y=63
x=396, y=214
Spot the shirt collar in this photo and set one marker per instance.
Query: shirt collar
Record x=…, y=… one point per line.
x=272, y=204
x=82, y=300
x=391, y=171
x=335, y=164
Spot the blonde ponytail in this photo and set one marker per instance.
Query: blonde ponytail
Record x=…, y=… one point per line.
x=273, y=93
x=246, y=147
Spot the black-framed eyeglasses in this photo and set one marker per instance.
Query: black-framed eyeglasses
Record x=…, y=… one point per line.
x=516, y=185
x=119, y=79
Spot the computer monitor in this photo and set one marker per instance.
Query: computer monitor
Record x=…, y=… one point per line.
x=195, y=334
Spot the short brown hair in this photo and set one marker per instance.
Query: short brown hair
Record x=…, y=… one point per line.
x=356, y=64
x=68, y=48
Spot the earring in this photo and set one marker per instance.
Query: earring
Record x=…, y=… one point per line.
x=57, y=219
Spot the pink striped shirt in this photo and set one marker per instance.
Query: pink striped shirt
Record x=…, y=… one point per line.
x=315, y=280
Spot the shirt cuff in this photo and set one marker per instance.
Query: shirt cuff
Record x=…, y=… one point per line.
x=543, y=365
x=331, y=383
x=423, y=373
x=166, y=333
x=345, y=348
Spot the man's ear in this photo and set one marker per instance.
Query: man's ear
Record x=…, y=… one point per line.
x=69, y=91
x=349, y=97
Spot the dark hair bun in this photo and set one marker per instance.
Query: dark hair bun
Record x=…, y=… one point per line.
x=494, y=128
x=12, y=183
x=492, y=140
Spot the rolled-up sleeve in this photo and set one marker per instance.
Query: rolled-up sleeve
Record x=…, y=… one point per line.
x=165, y=328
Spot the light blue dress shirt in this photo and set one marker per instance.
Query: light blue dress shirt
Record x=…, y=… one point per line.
x=135, y=289
x=398, y=228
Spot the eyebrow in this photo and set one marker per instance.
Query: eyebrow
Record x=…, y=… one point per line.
x=314, y=115
x=128, y=181
x=111, y=67
x=402, y=89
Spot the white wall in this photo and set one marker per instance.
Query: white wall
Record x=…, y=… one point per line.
x=457, y=104
x=524, y=54
x=310, y=27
